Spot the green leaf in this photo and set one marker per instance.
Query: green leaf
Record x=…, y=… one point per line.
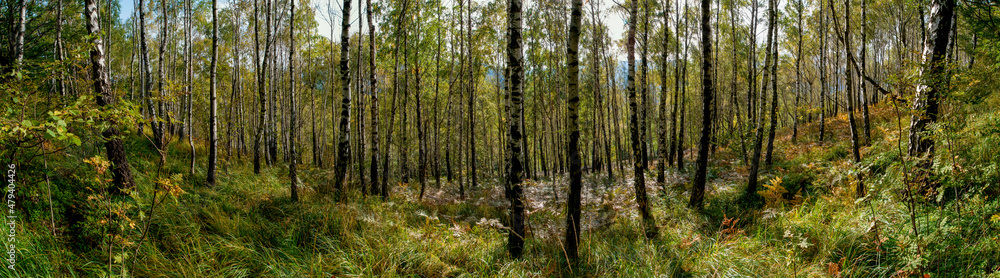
x=26, y=123
x=50, y=133
x=75, y=139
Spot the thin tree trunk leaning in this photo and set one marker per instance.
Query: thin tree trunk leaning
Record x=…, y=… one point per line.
x=615, y=106
x=677, y=88
x=798, y=73
x=740, y=128
x=234, y=87
x=714, y=139
x=421, y=135
x=682, y=101
x=403, y=158
x=514, y=192
x=317, y=155
x=864, y=68
x=851, y=97
x=359, y=150
x=160, y=140
x=471, y=79
x=774, y=85
x=639, y=172
x=822, y=74
x=750, y=197
x=189, y=81
x=392, y=109
x=752, y=68
x=933, y=83
x=644, y=87
x=146, y=80
x=258, y=145
x=437, y=91
x=60, y=83
x=573, y=149
x=388, y=139
x=708, y=92
x=343, y=152
x=115, y=149
x=601, y=98
x=272, y=133
x=213, y=132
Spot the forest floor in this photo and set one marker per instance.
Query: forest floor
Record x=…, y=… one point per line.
x=811, y=226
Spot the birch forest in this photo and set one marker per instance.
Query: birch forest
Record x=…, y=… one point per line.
x=500, y=138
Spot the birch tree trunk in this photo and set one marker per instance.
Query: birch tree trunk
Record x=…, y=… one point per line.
x=115, y=149
x=639, y=172
x=933, y=83
x=343, y=152
x=373, y=178
x=213, y=133
x=573, y=149
x=22, y=8
x=851, y=99
x=661, y=166
x=798, y=72
x=514, y=192
x=293, y=156
x=750, y=196
x=822, y=73
x=773, y=21
x=147, y=80
x=189, y=75
x=708, y=92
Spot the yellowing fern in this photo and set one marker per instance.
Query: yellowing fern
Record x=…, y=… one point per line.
x=773, y=192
